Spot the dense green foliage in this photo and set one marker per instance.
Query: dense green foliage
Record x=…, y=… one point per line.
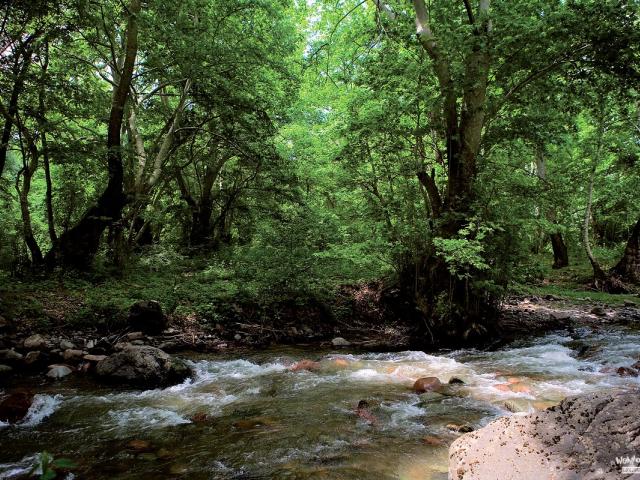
x=277, y=149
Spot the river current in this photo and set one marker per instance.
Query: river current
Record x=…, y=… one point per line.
x=250, y=416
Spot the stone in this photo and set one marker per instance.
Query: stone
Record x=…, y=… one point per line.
x=455, y=381
x=599, y=311
x=15, y=407
x=35, y=342
x=459, y=428
x=10, y=355
x=636, y=365
x=427, y=384
x=237, y=337
x=629, y=303
x=579, y=439
x=516, y=405
x=627, y=372
x=305, y=364
x=6, y=325
x=138, y=445
x=148, y=317
x=340, y=342
x=142, y=366
x=431, y=440
x=137, y=342
x=90, y=344
x=134, y=336
x=94, y=358
x=33, y=357
x=72, y=354
x=58, y=371
x=66, y=345
x=5, y=370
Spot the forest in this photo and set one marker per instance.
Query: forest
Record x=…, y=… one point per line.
x=229, y=176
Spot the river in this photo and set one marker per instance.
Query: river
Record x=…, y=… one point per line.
x=250, y=417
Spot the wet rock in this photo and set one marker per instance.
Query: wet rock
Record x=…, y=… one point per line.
x=139, y=446
x=599, y=311
x=516, y=405
x=431, y=440
x=15, y=406
x=5, y=370
x=134, y=336
x=164, y=454
x=36, y=358
x=148, y=317
x=10, y=355
x=70, y=355
x=137, y=342
x=636, y=365
x=200, y=417
x=340, y=342
x=94, y=358
x=579, y=439
x=143, y=366
x=455, y=381
x=459, y=428
x=35, y=342
x=66, y=345
x=427, y=384
x=629, y=303
x=59, y=371
x=627, y=372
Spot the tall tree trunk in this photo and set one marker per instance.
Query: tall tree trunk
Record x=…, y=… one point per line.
x=20, y=71
x=560, y=252
x=42, y=125
x=30, y=165
x=628, y=268
x=78, y=246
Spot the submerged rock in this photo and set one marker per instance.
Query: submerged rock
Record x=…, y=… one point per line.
x=427, y=384
x=455, y=381
x=578, y=439
x=147, y=316
x=143, y=366
x=15, y=407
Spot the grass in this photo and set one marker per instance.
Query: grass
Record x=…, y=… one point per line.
x=573, y=282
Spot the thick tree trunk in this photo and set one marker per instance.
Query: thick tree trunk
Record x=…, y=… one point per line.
x=560, y=252
x=628, y=268
x=78, y=246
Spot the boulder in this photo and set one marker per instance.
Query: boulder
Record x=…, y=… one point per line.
x=578, y=439
x=14, y=407
x=71, y=354
x=66, y=345
x=427, y=384
x=59, y=371
x=147, y=317
x=340, y=342
x=143, y=366
x=35, y=342
x=94, y=358
x=599, y=311
x=627, y=372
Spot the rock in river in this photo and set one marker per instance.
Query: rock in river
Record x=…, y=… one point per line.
x=14, y=407
x=427, y=384
x=578, y=439
x=143, y=366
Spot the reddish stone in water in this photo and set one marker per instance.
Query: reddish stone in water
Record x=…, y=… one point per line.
x=427, y=384
x=627, y=372
x=200, y=417
x=15, y=407
x=309, y=365
x=433, y=441
x=138, y=445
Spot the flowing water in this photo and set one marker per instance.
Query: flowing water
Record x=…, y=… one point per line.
x=254, y=418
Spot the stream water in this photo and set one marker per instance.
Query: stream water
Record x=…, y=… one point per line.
x=254, y=418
